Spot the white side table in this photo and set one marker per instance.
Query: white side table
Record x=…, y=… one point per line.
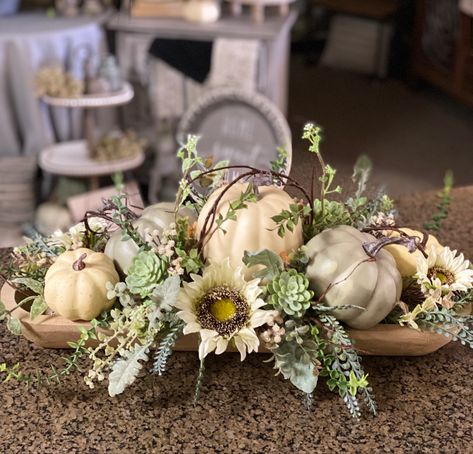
x=72, y=159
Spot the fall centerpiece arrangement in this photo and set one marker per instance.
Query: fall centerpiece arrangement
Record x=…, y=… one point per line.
x=315, y=281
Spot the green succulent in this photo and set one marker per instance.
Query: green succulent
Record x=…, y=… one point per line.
x=334, y=213
x=289, y=292
x=145, y=273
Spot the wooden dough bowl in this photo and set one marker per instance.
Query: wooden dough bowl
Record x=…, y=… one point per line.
x=53, y=331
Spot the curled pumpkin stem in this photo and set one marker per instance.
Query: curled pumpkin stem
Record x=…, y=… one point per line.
x=412, y=243
x=79, y=264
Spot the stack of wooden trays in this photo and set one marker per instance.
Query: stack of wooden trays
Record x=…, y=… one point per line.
x=17, y=190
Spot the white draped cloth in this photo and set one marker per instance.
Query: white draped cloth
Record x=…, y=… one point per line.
x=27, y=42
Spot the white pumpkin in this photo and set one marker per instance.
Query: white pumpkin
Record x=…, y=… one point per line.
x=407, y=261
x=337, y=258
x=253, y=228
x=75, y=284
x=155, y=217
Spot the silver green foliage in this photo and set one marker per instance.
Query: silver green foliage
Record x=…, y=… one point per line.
x=271, y=262
x=164, y=350
x=125, y=371
x=289, y=292
x=296, y=362
x=165, y=295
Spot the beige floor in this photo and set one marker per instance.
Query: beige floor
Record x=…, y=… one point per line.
x=411, y=136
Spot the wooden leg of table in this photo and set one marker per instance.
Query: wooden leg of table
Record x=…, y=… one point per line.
x=94, y=183
x=236, y=9
x=257, y=13
x=284, y=9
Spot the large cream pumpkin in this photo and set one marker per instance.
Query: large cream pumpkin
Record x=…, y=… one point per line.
x=155, y=217
x=335, y=257
x=253, y=228
x=407, y=261
x=74, y=285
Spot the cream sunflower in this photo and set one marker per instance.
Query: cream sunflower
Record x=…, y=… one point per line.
x=444, y=270
x=222, y=307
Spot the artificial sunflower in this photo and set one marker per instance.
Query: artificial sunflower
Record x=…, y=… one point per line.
x=444, y=270
x=222, y=307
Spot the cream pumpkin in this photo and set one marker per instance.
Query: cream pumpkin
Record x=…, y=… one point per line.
x=336, y=257
x=253, y=228
x=407, y=261
x=74, y=285
x=155, y=217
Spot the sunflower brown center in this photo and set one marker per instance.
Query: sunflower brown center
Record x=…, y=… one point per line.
x=223, y=310
x=445, y=276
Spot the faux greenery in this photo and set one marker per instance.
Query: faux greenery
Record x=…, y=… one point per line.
x=307, y=344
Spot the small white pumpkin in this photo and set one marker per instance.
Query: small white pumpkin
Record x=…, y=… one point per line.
x=253, y=228
x=155, y=217
x=75, y=284
x=407, y=261
x=337, y=258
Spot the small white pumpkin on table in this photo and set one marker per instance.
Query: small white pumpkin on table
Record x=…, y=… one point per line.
x=75, y=284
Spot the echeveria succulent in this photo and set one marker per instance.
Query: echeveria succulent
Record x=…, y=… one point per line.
x=289, y=293
x=145, y=273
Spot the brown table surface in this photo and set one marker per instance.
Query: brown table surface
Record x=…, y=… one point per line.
x=424, y=403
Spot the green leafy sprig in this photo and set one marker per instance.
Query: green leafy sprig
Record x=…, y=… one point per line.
x=164, y=350
x=343, y=368
x=445, y=199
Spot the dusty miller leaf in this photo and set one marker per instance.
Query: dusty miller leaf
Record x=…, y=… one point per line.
x=272, y=263
x=166, y=293
x=296, y=366
x=32, y=284
x=38, y=307
x=14, y=326
x=125, y=371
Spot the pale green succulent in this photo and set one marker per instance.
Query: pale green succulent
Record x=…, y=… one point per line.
x=334, y=213
x=145, y=273
x=289, y=292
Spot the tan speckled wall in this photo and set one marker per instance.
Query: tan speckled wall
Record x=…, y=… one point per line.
x=424, y=403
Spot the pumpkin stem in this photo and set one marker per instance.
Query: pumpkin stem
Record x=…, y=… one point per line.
x=79, y=264
x=372, y=248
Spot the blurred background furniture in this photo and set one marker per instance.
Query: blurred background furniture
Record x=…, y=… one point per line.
x=133, y=37
x=243, y=55
x=442, y=50
x=27, y=41
x=73, y=158
x=360, y=34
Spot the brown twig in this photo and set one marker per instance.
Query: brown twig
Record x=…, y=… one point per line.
x=252, y=172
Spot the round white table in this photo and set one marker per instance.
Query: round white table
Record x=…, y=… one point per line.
x=72, y=159
x=27, y=42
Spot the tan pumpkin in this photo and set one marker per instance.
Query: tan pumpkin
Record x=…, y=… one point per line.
x=74, y=285
x=407, y=261
x=253, y=229
x=155, y=217
x=335, y=257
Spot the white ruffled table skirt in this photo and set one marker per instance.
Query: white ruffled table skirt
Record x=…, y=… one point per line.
x=27, y=42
